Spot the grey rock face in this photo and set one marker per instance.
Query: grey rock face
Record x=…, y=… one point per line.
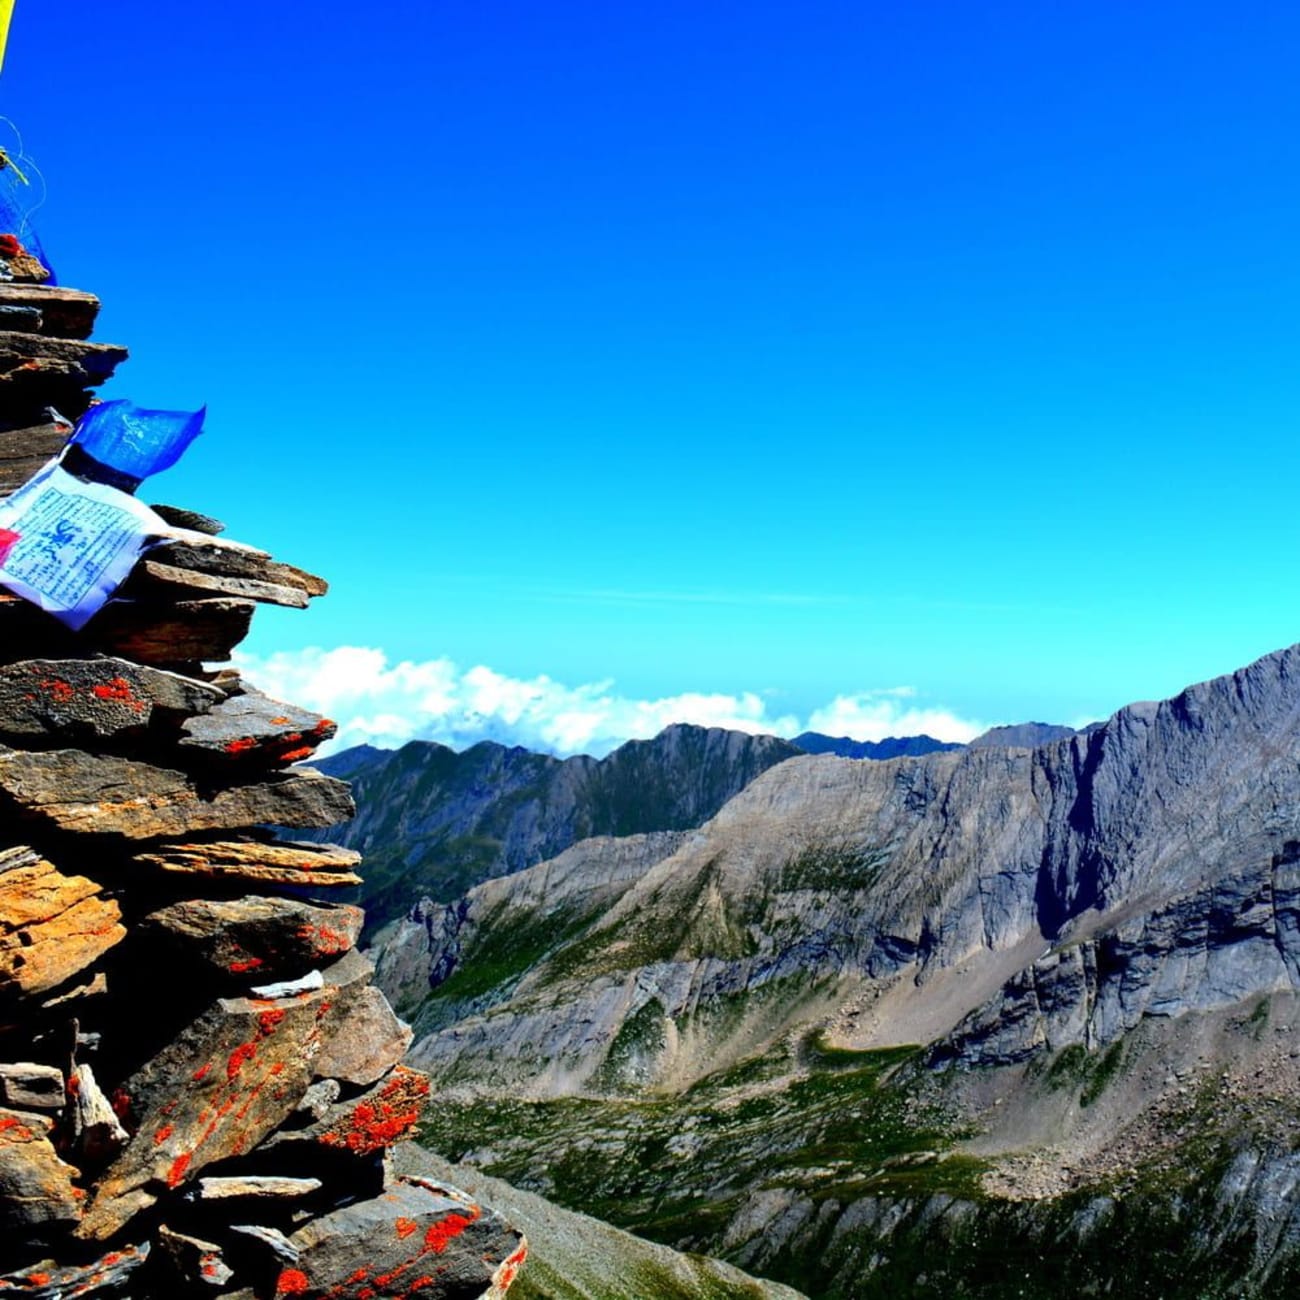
x=1023, y=735
x=1151, y=863
x=434, y=822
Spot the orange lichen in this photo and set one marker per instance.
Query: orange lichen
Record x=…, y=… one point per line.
x=296, y=755
x=239, y=1058
x=292, y=1281
x=163, y=1134
x=202, y=1072
x=405, y=1227
x=268, y=1020
x=241, y=746
x=446, y=1230
x=239, y=967
x=178, y=1168
x=506, y=1274
x=119, y=691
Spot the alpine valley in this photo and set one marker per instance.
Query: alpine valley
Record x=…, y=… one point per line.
x=997, y=1020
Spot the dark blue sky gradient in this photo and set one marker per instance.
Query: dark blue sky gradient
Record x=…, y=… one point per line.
x=804, y=348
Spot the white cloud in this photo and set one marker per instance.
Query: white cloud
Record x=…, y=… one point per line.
x=378, y=703
x=873, y=715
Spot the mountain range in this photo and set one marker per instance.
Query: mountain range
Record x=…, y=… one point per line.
x=433, y=821
x=939, y=1025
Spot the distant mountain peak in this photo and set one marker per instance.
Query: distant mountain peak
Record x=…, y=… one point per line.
x=814, y=742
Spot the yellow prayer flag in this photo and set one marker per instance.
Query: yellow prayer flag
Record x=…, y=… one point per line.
x=6, y=13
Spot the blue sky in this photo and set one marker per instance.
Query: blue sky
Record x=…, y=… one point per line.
x=804, y=350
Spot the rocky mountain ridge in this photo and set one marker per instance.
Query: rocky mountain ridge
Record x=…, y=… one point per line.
x=980, y=948
x=435, y=822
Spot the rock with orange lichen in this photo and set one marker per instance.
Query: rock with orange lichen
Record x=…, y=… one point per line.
x=414, y=1240
x=255, y=939
x=251, y=727
x=50, y=1279
x=95, y=699
x=215, y=1091
x=51, y=925
x=386, y=1113
x=251, y=862
x=36, y=1187
x=101, y=794
x=192, y=1264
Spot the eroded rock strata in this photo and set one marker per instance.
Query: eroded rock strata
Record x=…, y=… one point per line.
x=997, y=1021
x=199, y=1083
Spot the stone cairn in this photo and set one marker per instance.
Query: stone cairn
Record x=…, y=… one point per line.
x=199, y=1084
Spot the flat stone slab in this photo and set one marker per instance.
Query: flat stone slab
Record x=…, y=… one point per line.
x=31, y=363
x=252, y=727
x=215, y=1091
x=222, y=559
x=254, y=939
x=266, y=1187
x=364, y=1042
x=51, y=926
x=35, y=1185
x=162, y=634
x=103, y=794
x=66, y=313
x=95, y=699
x=50, y=1280
x=25, y=1085
x=414, y=1239
x=254, y=862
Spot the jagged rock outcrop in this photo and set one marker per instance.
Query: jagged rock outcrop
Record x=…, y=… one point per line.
x=813, y=742
x=1023, y=735
x=200, y=1083
x=434, y=822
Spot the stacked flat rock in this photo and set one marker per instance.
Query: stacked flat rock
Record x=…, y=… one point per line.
x=199, y=1083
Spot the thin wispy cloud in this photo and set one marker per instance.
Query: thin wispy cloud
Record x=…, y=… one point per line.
x=381, y=703
x=588, y=595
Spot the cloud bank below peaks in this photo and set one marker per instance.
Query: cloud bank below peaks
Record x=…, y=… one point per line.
x=378, y=703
